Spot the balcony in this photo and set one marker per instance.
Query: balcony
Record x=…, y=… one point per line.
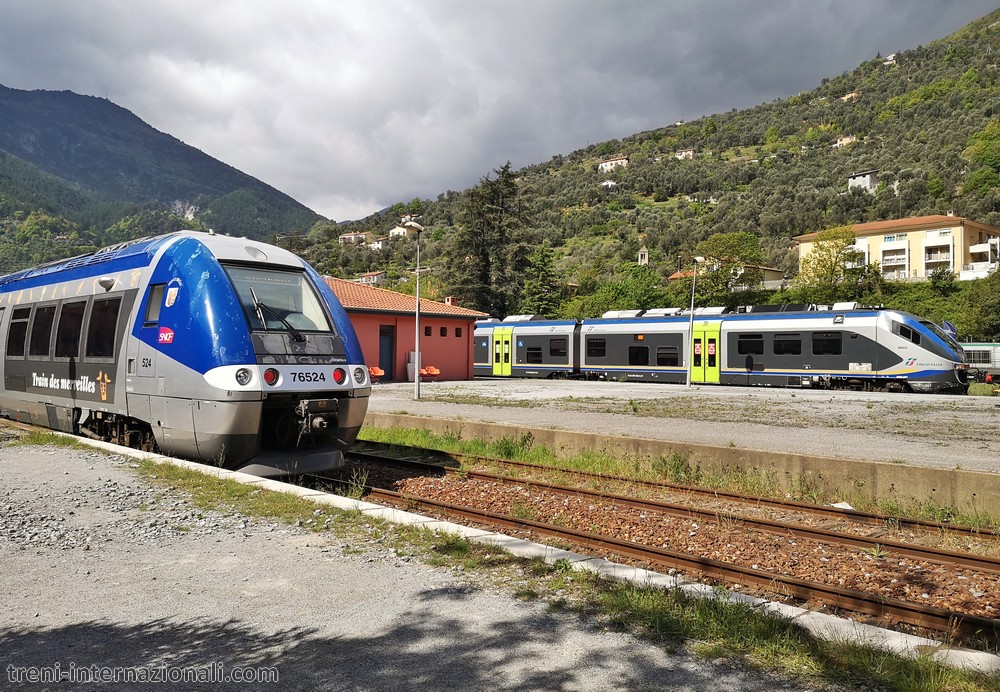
x=977, y=270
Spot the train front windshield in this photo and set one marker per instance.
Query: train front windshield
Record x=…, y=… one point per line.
x=943, y=335
x=276, y=301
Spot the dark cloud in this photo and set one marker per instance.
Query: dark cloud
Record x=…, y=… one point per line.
x=352, y=106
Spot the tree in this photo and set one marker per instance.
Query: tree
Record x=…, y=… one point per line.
x=731, y=260
x=487, y=263
x=542, y=293
x=825, y=271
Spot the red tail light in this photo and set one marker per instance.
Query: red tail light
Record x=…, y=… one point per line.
x=271, y=376
x=339, y=375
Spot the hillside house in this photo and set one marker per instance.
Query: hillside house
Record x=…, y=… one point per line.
x=684, y=154
x=613, y=163
x=371, y=278
x=866, y=180
x=911, y=249
x=351, y=238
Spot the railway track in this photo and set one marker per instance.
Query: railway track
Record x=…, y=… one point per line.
x=872, y=603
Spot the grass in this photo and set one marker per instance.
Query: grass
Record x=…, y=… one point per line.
x=982, y=389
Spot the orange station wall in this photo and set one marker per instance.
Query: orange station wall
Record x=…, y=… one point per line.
x=450, y=354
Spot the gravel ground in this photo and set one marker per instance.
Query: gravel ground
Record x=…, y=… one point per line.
x=100, y=569
x=925, y=430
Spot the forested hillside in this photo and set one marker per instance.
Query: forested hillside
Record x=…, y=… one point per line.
x=923, y=118
x=96, y=164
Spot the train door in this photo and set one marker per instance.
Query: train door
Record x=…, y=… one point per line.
x=387, y=350
x=706, y=342
x=502, y=355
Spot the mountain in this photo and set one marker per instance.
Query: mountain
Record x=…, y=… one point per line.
x=89, y=160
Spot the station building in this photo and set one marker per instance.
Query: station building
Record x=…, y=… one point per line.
x=385, y=322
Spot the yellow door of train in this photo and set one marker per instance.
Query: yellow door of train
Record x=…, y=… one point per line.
x=706, y=352
x=502, y=354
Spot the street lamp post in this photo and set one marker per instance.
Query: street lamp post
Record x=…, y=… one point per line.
x=416, y=335
x=694, y=282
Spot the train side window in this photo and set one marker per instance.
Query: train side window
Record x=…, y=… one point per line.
x=557, y=348
x=750, y=344
x=18, y=331
x=977, y=356
x=69, y=329
x=41, y=330
x=102, y=328
x=596, y=348
x=668, y=356
x=534, y=354
x=905, y=332
x=828, y=343
x=787, y=344
x=153, y=305
x=638, y=355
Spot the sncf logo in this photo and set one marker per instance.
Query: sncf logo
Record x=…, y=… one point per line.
x=166, y=335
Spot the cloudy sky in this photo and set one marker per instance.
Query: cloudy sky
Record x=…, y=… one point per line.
x=352, y=105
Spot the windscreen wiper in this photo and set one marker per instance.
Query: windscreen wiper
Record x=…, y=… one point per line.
x=259, y=306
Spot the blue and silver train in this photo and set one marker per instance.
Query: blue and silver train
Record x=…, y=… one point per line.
x=217, y=349
x=856, y=348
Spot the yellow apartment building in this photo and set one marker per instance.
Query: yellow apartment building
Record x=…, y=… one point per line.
x=911, y=249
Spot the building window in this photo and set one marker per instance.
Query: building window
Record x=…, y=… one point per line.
x=428, y=331
x=458, y=332
x=443, y=331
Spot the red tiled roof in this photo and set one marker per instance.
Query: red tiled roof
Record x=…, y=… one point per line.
x=355, y=296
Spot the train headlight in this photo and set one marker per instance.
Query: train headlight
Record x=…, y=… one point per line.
x=359, y=375
x=271, y=376
x=339, y=375
x=243, y=377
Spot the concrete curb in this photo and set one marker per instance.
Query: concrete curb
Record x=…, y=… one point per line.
x=820, y=625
